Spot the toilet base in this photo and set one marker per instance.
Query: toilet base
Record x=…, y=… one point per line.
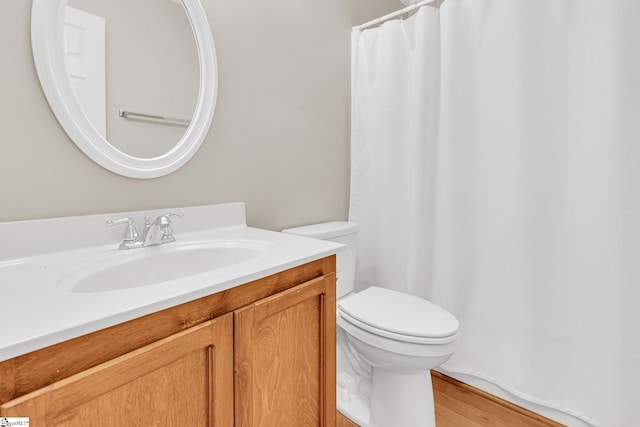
x=397, y=400
x=401, y=399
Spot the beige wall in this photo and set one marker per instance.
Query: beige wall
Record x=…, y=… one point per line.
x=279, y=140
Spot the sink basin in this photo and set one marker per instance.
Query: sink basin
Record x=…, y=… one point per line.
x=146, y=266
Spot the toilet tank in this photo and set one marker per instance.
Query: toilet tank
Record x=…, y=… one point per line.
x=341, y=232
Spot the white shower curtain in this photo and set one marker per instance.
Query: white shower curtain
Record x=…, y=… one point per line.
x=395, y=85
x=522, y=183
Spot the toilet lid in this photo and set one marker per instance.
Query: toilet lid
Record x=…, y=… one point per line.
x=399, y=313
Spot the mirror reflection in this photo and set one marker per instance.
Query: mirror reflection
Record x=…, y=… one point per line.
x=135, y=57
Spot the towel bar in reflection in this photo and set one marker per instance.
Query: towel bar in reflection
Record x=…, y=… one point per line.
x=153, y=117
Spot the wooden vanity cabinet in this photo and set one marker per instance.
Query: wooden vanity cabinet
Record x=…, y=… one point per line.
x=184, y=379
x=261, y=354
x=284, y=355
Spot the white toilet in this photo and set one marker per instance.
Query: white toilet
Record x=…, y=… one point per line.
x=387, y=343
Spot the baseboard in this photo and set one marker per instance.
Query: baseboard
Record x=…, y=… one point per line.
x=460, y=405
x=342, y=421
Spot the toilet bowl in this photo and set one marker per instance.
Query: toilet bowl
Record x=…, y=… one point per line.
x=428, y=338
x=402, y=338
x=388, y=341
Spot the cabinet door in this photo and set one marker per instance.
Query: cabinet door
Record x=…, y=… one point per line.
x=185, y=379
x=284, y=353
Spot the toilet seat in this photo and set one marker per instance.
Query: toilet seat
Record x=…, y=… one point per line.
x=398, y=316
x=428, y=348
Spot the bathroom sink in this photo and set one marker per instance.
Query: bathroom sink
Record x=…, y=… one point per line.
x=158, y=264
x=71, y=279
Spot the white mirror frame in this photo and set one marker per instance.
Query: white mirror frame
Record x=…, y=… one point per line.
x=47, y=19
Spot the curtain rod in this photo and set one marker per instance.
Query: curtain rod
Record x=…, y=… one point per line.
x=393, y=14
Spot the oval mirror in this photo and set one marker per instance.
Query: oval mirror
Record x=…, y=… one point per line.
x=85, y=123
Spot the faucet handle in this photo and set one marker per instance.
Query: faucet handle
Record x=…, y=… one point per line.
x=130, y=232
x=166, y=231
x=165, y=218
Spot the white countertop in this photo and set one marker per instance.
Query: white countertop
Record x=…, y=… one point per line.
x=38, y=310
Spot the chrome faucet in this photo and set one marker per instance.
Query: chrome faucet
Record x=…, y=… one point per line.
x=157, y=232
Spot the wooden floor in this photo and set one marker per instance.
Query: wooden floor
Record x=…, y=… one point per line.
x=461, y=405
